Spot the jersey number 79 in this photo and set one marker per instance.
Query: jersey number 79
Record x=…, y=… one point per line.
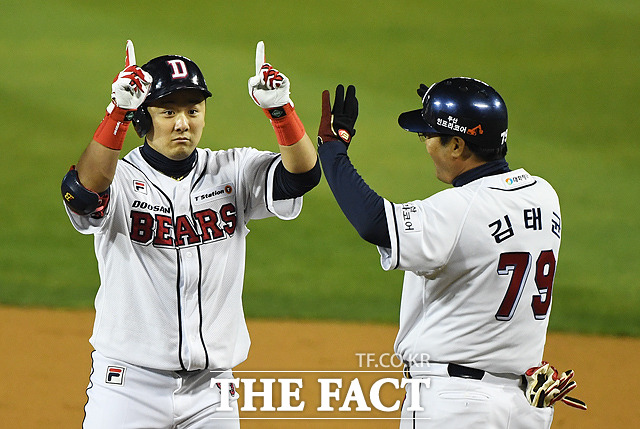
x=518, y=264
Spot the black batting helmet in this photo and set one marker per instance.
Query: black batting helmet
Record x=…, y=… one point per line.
x=170, y=73
x=464, y=107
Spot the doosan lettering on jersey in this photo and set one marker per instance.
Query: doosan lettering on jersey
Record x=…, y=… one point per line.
x=147, y=206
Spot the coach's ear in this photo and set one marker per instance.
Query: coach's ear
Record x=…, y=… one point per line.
x=458, y=149
x=456, y=146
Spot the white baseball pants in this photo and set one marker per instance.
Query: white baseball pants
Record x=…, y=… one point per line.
x=125, y=396
x=454, y=403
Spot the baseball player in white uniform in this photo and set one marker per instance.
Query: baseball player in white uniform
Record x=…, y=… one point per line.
x=170, y=226
x=479, y=261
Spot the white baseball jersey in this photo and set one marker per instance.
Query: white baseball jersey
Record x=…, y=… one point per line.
x=171, y=257
x=480, y=261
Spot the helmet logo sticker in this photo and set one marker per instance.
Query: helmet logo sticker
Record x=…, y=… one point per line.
x=451, y=123
x=179, y=69
x=504, y=137
x=475, y=130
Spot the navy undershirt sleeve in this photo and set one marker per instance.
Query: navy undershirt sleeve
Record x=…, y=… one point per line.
x=288, y=185
x=360, y=204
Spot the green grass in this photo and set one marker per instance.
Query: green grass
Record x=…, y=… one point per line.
x=567, y=69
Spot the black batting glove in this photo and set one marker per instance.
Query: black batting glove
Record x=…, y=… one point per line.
x=338, y=124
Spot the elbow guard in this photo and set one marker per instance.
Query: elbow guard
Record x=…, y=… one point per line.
x=81, y=200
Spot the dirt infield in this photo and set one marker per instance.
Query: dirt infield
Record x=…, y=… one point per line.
x=45, y=354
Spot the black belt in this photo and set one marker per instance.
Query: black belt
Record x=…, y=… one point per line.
x=455, y=370
x=460, y=371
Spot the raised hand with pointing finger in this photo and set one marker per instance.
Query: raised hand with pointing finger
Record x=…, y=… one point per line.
x=269, y=87
x=128, y=91
x=131, y=85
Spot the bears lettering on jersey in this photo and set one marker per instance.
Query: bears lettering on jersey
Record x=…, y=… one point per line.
x=162, y=231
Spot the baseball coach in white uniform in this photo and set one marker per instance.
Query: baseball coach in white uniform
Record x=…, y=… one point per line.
x=479, y=261
x=170, y=224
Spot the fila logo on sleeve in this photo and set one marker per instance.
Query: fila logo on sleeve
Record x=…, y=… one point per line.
x=115, y=375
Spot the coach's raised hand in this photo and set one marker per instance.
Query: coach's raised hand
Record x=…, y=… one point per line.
x=269, y=88
x=338, y=123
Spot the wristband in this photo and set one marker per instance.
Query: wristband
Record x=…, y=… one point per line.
x=113, y=128
x=286, y=124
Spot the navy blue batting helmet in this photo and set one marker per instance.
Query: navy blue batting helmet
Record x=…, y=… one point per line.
x=464, y=107
x=170, y=73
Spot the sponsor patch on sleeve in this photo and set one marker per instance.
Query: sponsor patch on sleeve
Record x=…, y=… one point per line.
x=410, y=219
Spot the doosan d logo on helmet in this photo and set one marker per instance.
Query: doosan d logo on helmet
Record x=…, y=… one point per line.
x=179, y=69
